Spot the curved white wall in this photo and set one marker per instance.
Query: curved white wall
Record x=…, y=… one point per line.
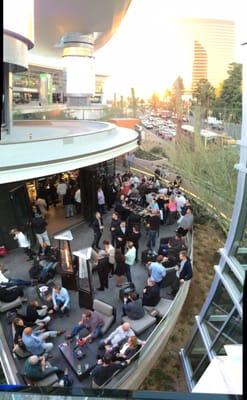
x=49, y=147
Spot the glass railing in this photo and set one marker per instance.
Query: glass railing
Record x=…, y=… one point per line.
x=19, y=393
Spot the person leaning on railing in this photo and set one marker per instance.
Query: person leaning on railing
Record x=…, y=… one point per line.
x=184, y=271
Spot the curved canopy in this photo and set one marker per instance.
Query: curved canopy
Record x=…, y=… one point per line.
x=53, y=19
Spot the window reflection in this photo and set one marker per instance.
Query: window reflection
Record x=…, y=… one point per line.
x=239, y=248
x=233, y=279
x=231, y=334
x=196, y=352
x=218, y=311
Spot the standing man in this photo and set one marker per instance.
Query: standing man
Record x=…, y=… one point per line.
x=156, y=270
x=154, y=226
x=77, y=199
x=39, y=226
x=61, y=300
x=61, y=190
x=98, y=228
x=101, y=200
x=115, y=223
x=184, y=271
x=121, y=236
x=134, y=236
x=130, y=257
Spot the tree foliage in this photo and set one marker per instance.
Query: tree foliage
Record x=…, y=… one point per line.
x=204, y=94
x=231, y=95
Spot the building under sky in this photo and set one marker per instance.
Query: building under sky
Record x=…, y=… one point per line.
x=210, y=48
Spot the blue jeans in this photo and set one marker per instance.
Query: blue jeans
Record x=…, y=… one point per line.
x=151, y=239
x=128, y=273
x=77, y=328
x=18, y=282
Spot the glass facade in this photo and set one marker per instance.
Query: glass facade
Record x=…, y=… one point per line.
x=220, y=320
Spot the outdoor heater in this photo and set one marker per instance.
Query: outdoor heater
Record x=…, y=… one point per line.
x=86, y=258
x=65, y=259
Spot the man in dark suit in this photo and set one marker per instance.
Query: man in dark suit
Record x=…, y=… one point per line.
x=151, y=294
x=121, y=235
x=115, y=222
x=184, y=271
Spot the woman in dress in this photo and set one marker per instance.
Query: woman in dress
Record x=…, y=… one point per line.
x=120, y=270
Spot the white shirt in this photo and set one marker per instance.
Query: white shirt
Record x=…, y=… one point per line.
x=130, y=256
x=78, y=196
x=22, y=240
x=3, y=278
x=181, y=200
x=62, y=189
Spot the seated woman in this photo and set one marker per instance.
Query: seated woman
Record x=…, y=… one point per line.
x=126, y=350
x=18, y=328
x=37, y=314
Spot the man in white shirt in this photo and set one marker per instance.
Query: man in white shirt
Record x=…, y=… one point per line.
x=62, y=190
x=130, y=257
x=121, y=333
x=77, y=198
x=23, y=242
x=180, y=200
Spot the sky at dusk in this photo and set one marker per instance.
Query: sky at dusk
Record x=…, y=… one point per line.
x=146, y=51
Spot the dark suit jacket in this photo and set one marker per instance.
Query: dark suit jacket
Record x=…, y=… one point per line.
x=152, y=296
x=186, y=272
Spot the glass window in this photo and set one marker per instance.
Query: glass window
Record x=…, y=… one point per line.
x=201, y=368
x=239, y=247
x=231, y=334
x=218, y=311
x=196, y=352
x=233, y=279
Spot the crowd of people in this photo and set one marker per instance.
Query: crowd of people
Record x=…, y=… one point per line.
x=140, y=207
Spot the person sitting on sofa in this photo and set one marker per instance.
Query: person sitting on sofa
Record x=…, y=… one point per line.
x=132, y=307
x=105, y=369
x=151, y=294
x=92, y=321
x=35, y=368
x=37, y=314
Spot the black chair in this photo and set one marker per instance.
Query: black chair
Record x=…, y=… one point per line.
x=169, y=279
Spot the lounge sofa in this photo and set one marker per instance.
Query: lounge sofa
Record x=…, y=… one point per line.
x=161, y=308
x=107, y=313
x=140, y=325
x=10, y=305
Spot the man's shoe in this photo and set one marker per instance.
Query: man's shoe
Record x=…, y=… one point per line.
x=59, y=333
x=100, y=289
x=68, y=337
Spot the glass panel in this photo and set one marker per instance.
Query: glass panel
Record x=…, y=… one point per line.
x=218, y=311
x=202, y=367
x=231, y=334
x=196, y=351
x=239, y=248
x=230, y=275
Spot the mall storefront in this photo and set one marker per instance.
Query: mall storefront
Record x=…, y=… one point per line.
x=18, y=198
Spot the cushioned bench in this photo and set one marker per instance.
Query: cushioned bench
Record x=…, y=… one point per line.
x=140, y=325
x=51, y=380
x=9, y=306
x=162, y=307
x=107, y=313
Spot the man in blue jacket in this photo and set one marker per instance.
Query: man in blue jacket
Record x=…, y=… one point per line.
x=184, y=271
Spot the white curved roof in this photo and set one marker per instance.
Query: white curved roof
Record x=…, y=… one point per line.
x=54, y=18
x=42, y=148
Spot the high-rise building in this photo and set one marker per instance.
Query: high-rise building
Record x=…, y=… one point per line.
x=200, y=64
x=210, y=47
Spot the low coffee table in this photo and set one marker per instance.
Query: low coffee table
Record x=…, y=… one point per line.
x=69, y=354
